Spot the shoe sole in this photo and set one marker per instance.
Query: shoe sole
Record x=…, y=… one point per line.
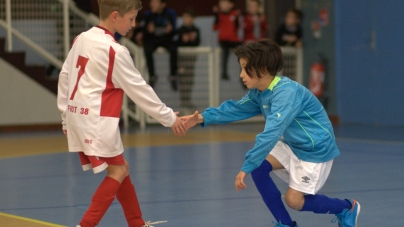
x=357, y=214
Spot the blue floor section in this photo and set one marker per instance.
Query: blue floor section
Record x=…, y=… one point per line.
x=192, y=185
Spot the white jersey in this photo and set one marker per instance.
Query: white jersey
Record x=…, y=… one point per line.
x=92, y=82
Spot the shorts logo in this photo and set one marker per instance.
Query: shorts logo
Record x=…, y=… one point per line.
x=305, y=179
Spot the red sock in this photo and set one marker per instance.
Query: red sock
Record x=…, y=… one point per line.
x=126, y=196
x=102, y=199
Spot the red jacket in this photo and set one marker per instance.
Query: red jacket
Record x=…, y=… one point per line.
x=248, y=26
x=227, y=24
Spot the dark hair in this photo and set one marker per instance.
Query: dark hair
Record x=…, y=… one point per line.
x=190, y=11
x=232, y=1
x=257, y=1
x=263, y=55
x=297, y=13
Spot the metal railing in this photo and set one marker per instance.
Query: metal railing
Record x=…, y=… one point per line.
x=49, y=26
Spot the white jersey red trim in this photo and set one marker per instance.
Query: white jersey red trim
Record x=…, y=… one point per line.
x=94, y=77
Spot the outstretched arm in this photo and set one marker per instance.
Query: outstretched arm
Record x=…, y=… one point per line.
x=192, y=120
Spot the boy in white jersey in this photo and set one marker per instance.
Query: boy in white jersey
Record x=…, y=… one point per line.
x=92, y=82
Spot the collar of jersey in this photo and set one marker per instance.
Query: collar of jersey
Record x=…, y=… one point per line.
x=274, y=83
x=106, y=31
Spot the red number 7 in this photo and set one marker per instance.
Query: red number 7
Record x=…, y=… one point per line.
x=81, y=62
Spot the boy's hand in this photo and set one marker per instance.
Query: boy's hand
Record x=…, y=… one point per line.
x=151, y=27
x=299, y=43
x=292, y=38
x=193, y=36
x=191, y=120
x=215, y=9
x=239, y=184
x=169, y=28
x=262, y=17
x=179, y=128
x=185, y=38
x=65, y=132
x=139, y=38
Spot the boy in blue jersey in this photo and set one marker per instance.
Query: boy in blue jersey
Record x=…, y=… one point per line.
x=298, y=142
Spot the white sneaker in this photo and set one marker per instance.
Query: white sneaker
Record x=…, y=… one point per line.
x=149, y=223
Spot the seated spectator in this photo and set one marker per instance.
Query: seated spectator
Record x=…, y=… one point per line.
x=136, y=33
x=290, y=33
x=159, y=29
x=188, y=36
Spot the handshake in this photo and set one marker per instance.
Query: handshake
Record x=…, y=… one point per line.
x=182, y=124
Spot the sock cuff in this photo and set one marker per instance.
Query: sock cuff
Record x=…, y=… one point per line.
x=126, y=185
x=126, y=180
x=110, y=184
x=265, y=167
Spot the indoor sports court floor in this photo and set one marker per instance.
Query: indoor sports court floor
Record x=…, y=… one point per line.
x=189, y=181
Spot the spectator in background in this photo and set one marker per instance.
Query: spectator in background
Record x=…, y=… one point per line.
x=227, y=24
x=159, y=29
x=136, y=33
x=188, y=36
x=255, y=25
x=290, y=33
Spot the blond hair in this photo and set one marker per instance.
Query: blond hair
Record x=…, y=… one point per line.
x=121, y=6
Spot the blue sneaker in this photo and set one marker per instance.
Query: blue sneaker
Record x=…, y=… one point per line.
x=349, y=217
x=282, y=225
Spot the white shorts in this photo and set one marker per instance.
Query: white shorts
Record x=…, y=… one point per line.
x=306, y=177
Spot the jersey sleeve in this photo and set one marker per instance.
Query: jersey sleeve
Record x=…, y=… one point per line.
x=216, y=22
x=299, y=32
x=173, y=18
x=128, y=78
x=146, y=21
x=63, y=86
x=230, y=111
x=279, y=36
x=263, y=26
x=197, y=42
x=237, y=20
x=285, y=107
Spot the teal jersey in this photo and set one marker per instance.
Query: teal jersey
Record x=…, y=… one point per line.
x=292, y=113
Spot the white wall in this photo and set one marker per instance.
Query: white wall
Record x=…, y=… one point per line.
x=23, y=101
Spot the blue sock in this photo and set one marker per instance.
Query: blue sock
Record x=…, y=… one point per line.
x=321, y=204
x=270, y=193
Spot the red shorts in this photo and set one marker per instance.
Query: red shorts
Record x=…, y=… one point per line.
x=99, y=164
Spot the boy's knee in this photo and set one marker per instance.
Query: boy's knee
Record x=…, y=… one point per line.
x=118, y=172
x=127, y=168
x=294, y=202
